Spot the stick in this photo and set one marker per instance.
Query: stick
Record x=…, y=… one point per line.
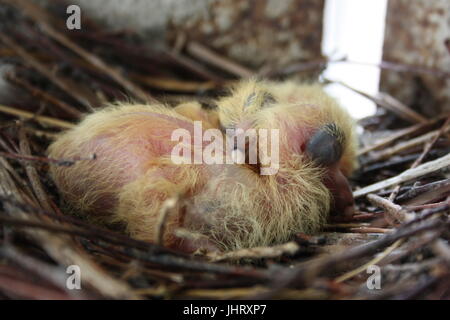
x=407, y=175
x=391, y=138
x=424, y=153
x=41, y=119
x=44, y=95
x=200, y=51
x=87, y=99
x=374, y=261
x=389, y=103
x=39, y=16
x=258, y=252
x=386, y=153
x=32, y=173
x=422, y=194
x=193, y=66
x=62, y=250
x=393, y=212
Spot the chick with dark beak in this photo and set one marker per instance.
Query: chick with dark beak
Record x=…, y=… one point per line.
x=325, y=148
x=223, y=206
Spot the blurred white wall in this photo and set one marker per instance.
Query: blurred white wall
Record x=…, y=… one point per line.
x=355, y=29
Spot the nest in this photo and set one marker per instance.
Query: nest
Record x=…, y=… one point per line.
x=401, y=229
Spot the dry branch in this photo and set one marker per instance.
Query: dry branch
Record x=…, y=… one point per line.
x=402, y=146
x=42, y=119
x=62, y=250
x=407, y=175
x=68, y=86
x=390, y=103
x=203, y=53
x=45, y=96
x=393, y=212
x=40, y=17
x=289, y=248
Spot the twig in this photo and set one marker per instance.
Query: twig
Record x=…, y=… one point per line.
x=425, y=193
x=361, y=216
x=26, y=289
x=60, y=162
x=441, y=249
x=86, y=230
x=397, y=161
x=432, y=142
x=193, y=66
x=174, y=84
x=374, y=261
x=425, y=151
x=410, y=174
x=305, y=274
x=393, y=213
x=52, y=227
x=44, y=95
x=41, y=133
x=39, y=17
x=428, y=206
x=32, y=174
x=402, y=146
x=370, y=230
x=68, y=86
x=289, y=248
x=390, y=103
x=53, y=274
x=395, y=136
x=417, y=290
x=62, y=250
x=41, y=119
x=296, y=68
x=232, y=293
x=174, y=262
x=203, y=53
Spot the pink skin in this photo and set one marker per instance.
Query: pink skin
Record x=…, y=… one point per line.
x=343, y=204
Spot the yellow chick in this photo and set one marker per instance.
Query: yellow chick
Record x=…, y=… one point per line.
x=225, y=205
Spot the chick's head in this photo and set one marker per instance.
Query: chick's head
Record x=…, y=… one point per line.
x=313, y=130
